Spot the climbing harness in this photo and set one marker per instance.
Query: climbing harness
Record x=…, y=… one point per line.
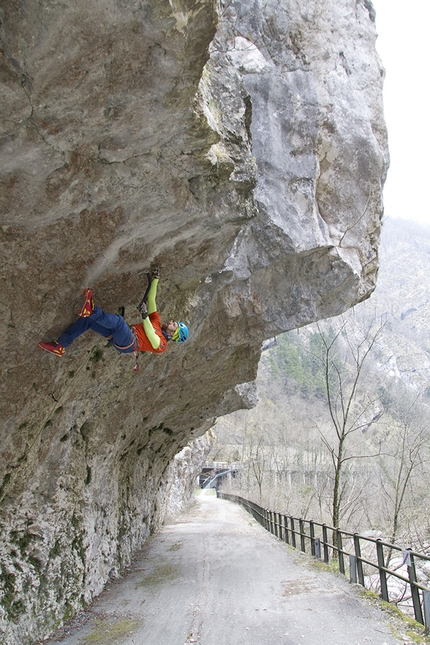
x=135, y=345
x=124, y=349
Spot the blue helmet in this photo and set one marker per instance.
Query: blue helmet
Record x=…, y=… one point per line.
x=181, y=334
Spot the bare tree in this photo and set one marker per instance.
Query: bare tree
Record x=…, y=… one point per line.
x=403, y=453
x=343, y=355
x=258, y=464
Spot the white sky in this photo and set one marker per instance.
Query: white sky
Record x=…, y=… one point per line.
x=403, y=37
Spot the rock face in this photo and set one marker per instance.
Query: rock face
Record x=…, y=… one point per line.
x=180, y=478
x=242, y=146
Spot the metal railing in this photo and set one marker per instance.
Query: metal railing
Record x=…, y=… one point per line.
x=301, y=533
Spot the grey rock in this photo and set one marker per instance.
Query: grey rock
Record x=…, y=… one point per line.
x=242, y=147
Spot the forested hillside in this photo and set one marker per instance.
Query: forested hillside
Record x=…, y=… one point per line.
x=342, y=428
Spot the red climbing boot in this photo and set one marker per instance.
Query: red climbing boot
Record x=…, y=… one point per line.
x=53, y=347
x=88, y=307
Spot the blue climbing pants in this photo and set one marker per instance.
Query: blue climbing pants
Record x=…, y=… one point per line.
x=111, y=326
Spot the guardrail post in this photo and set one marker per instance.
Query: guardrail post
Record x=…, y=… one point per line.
x=318, y=548
x=353, y=569
x=287, y=536
x=382, y=574
x=259, y=515
x=357, y=549
x=312, y=534
x=281, y=527
x=276, y=524
x=293, y=533
x=415, y=591
x=426, y=602
x=340, y=551
x=325, y=542
x=302, y=536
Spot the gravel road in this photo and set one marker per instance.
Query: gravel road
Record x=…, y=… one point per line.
x=213, y=576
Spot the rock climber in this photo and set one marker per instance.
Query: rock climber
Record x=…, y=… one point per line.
x=148, y=336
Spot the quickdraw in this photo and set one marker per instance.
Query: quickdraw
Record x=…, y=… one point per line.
x=136, y=367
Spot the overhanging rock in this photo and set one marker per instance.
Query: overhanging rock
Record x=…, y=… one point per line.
x=242, y=146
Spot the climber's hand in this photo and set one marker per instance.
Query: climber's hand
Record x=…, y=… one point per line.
x=155, y=272
x=143, y=309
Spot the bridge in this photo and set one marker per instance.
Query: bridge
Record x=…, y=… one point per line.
x=216, y=472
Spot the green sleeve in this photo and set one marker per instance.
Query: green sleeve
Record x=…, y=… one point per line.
x=151, y=297
x=150, y=333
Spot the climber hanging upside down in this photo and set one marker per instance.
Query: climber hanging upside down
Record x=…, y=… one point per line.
x=148, y=336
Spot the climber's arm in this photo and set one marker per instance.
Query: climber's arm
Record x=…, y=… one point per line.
x=148, y=307
x=151, y=299
x=150, y=332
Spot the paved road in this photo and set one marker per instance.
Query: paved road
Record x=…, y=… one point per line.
x=213, y=576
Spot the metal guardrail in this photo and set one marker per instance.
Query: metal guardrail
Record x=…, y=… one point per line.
x=221, y=465
x=299, y=532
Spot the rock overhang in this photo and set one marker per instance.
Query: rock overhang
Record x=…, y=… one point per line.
x=242, y=147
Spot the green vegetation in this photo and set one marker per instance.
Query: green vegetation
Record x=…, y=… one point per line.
x=96, y=355
x=6, y=480
x=88, y=476
x=22, y=540
x=14, y=608
x=292, y=359
x=108, y=633
x=55, y=551
x=160, y=575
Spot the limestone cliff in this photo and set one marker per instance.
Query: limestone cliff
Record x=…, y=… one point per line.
x=239, y=144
